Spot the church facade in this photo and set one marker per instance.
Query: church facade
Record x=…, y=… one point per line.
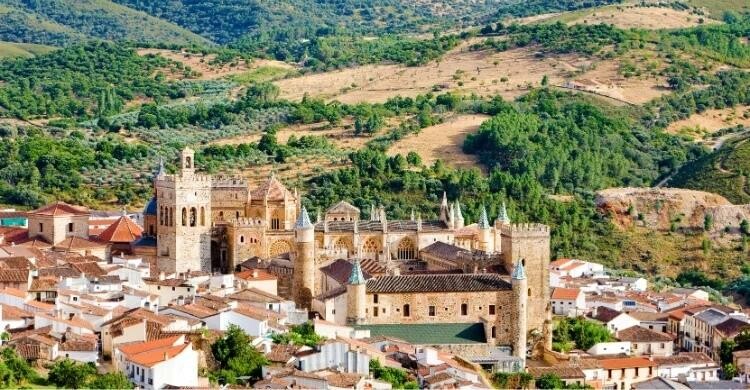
x=207, y=223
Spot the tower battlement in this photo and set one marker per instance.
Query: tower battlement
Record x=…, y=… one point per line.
x=229, y=181
x=525, y=230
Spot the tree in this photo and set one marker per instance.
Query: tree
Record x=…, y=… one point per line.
x=413, y=158
x=110, y=380
x=745, y=227
x=303, y=334
x=708, y=222
x=549, y=381
x=399, y=379
x=725, y=351
x=68, y=374
x=545, y=80
x=236, y=355
x=728, y=371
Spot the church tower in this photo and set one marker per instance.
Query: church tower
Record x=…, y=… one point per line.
x=303, y=287
x=520, y=297
x=531, y=243
x=356, y=296
x=184, y=218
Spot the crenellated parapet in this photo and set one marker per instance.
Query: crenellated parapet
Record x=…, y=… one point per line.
x=525, y=229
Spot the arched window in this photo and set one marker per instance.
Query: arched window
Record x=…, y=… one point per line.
x=370, y=246
x=203, y=216
x=276, y=219
x=193, y=216
x=343, y=244
x=407, y=311
x=221, y=215
x=188, y=162
x=406, y=249
x=242, y=239
x=237, y=215
x=171, y=216
x=529, y=292
x=161, y=215
x=184, y=216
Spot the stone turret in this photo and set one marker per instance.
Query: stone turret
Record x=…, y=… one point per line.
x=520, y=295
x=485, y=232
x=444, y=211
x=304, y=263
x=356, y=296
x=459, y=219
x=503, y=218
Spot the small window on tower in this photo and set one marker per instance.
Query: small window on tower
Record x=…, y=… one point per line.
x=492, y=310
x=431, y=311
x=464, y=309
x=70, y=227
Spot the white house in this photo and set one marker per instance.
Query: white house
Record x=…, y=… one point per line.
x=645, y=341
x=568, y=301
x=693, y=366
x=335, y=354
x=610, y=348
x=169, y=290
x=332, y=305
x=576, y=268
x=614, y=320
x=155, y=364
x=257, y=278
x=13, y=318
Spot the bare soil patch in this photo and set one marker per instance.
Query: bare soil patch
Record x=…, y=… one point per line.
x=485, y=72
x=634, y=16
x=443, y=141
x=604, y=78
x=701, y=125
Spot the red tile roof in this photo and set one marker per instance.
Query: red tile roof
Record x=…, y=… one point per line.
x=152, y=352
x=60, y=209
x=76, y=243
x=565, y=293
x=124, y=230
x=630, y=362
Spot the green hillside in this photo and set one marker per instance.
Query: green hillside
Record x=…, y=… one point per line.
x=60, y=22
x=25, y=50
x=724, y=172
x=224, y=21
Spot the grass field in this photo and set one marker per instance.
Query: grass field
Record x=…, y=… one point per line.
x=630, y=16
x=25, y=50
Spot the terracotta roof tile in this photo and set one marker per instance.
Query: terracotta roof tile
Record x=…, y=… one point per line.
x=14, y=276
x=90, y=269
x=446, y=251
x=731, y=327
x=73, y=243
x=60, y=209
x=564, y=372
x=124, y=230
x=629, y=362
x=150, y=354
x=565, y=293
x=437, y=283
x=641, y=334
x=14, y=313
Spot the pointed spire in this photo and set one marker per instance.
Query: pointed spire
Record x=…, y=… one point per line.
x=484, y=223
x=356, y=277
x=519, y=273
x=445, y=200
x=373, y=214
x=503, y=217
x=459, y=214
x=317, y=216
x=412, y=214
x=303, y=221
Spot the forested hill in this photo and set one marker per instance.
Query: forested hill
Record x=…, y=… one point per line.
x=224, y=21
x=62, y=22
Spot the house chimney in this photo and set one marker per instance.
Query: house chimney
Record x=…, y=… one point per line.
x=162, y=276
x=255, y=273
x=166, y=356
